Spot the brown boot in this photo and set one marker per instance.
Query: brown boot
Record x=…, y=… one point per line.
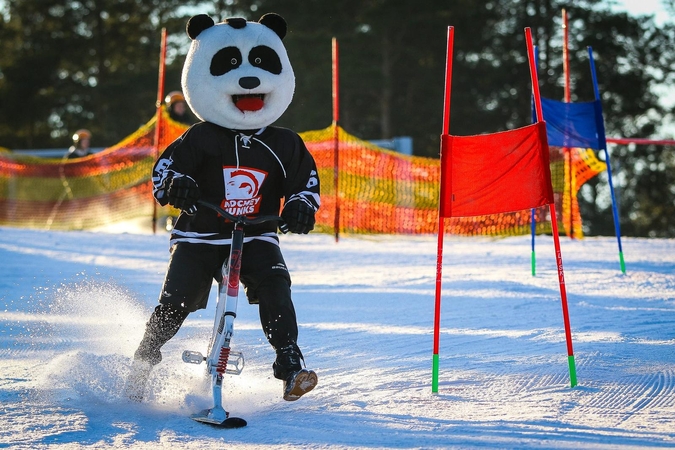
x=287, y=367
x=299, y=383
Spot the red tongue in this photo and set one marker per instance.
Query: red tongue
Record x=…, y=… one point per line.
x=249, y=104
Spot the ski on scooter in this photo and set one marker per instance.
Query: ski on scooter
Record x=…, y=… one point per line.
x=218, y=417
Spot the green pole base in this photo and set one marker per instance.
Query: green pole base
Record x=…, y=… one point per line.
x=623, y=263
x=534, y=264
x=573, y=371
x=434, y=375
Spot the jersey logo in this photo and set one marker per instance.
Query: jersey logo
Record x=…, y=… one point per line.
x=160, y=172
x=313, y=180
x=242, y=190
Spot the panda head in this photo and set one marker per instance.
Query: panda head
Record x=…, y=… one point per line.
x=237, y=73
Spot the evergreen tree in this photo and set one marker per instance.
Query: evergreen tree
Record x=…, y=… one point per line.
x=90, y=64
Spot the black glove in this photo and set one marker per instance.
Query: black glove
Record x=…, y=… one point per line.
x=183, y=193
x=298, y=217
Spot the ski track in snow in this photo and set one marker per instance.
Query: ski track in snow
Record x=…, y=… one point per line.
x=75, y=304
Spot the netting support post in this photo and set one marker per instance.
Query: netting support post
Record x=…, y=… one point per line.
x=158, y=121
x=568, y=98
x=336, y=137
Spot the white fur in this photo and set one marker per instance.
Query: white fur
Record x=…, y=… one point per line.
x=210, y=97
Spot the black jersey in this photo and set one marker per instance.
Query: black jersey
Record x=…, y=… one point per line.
x=246, y=173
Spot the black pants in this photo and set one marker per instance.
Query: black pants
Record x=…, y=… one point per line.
x=193, y=267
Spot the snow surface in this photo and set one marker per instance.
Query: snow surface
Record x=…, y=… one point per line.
x=74, y=305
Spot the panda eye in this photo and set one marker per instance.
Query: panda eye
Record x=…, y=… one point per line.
x=265, y=58
x=225, y=59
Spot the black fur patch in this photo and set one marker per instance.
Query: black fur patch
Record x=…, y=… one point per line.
x=274, y=22
x=197, y=24
x=236, y=22
x=226, y=59
x=265, y=58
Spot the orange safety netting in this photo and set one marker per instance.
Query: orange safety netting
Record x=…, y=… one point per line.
x=585, y=165
x=82, y=193
x=380, y=191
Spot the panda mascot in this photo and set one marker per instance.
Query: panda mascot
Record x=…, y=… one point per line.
x=238, y=80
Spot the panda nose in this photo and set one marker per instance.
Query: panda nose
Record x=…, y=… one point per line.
x=249, y=82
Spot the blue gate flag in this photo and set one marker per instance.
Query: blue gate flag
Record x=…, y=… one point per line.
x=574, y=125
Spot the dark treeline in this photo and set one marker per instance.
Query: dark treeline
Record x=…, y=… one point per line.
x=93, y=64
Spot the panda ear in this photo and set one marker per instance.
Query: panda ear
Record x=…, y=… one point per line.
x=275, y=23
x=197, y=24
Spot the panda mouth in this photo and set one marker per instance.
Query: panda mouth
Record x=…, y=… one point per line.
x=249, y=102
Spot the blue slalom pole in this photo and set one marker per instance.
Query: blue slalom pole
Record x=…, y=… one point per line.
x=603, y=143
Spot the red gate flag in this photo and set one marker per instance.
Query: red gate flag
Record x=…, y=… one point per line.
x=495, y=173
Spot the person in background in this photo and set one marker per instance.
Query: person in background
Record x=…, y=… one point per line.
x=81, y=144
x=178, y=108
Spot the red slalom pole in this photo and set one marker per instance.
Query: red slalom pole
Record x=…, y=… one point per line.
x=158, y=121
x=439, y=250
x=554, y=220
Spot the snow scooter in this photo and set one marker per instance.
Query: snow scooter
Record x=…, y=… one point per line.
x=220, y=359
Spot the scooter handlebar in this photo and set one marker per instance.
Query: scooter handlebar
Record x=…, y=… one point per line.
x=241, y=219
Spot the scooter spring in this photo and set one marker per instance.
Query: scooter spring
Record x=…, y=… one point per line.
x=222, y=360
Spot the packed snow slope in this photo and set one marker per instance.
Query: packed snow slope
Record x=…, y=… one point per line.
x=74, y=305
